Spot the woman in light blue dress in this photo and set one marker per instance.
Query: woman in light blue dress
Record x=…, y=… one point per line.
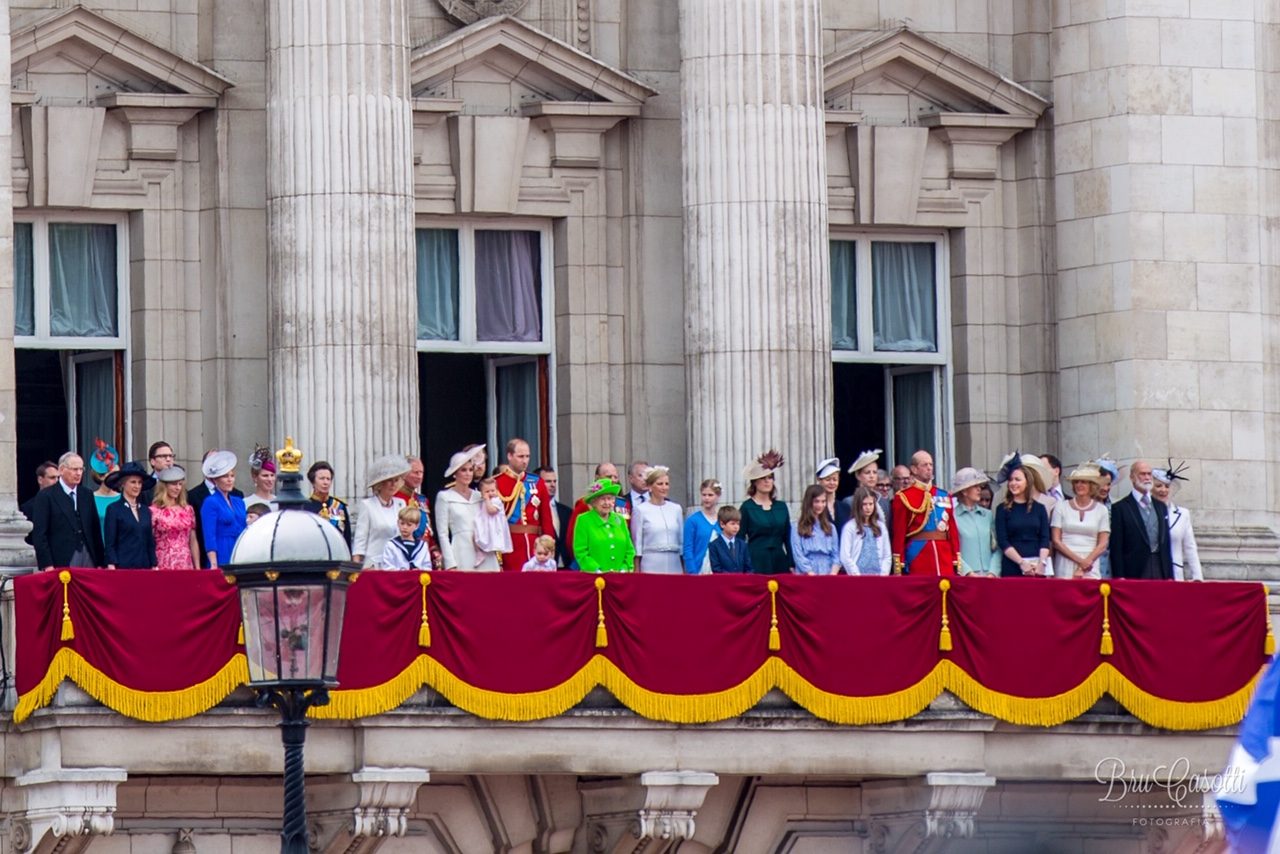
x=815, y=543
x=701, y=528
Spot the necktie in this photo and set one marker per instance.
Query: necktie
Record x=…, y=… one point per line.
x=74, y=504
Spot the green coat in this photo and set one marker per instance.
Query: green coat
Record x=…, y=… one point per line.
x=602, y=545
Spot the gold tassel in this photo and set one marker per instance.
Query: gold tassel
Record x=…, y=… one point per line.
x=944, y=639
x=1108, y=646
x=602, y=634
x=424, y=630
x=1268, y=645
x=240, y=634
x=68, y=631
x=775, y=637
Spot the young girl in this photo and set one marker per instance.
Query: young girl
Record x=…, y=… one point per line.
x=493, y=537
x=406, y=551
x=815, y=545
x=864, y=544
x=700, y=529
x=544, y=556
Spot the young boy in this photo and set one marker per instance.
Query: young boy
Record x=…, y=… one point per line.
x=544, y=555
x=254, y=512
x=404, y=551
x=727, y=552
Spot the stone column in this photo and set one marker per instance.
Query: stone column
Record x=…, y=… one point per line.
x=343, y=364
x=13, y=525
x=756, y=266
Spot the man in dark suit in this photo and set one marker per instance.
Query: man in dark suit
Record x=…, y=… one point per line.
x=196, y=497
x=64, y=520
x=564, y=557
x=46, y=476
x=1140, y=530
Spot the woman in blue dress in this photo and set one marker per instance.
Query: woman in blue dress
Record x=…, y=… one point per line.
x=815, y=543
x=128, y=539
x=221, y=514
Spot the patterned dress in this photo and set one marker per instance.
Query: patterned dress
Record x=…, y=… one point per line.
x=172, y=527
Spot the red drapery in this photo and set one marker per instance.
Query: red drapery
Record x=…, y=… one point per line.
x=160, y=646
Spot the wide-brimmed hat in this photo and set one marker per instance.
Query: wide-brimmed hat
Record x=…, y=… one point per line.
x=461, y=458
x=601, y=487
x=218, y=463
x=104, y=458
x=1086, y=472
x=386, y=468
x=865, y=459
x=826, y=468
x=172, y=474
x=133, y=468
x=763, y=465
x=967, y=477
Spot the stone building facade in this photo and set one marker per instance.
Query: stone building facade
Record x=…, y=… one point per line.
x=683, y=230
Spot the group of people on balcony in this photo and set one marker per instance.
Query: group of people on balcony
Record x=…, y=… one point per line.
x=510, y=519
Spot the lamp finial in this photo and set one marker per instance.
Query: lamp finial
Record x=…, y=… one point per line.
x=289, y=458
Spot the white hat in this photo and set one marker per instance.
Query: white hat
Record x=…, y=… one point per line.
x=827, y=467
x=461, y=458
x=865, y=459
x=218, y=463
x=386, y=468
x=966, y=478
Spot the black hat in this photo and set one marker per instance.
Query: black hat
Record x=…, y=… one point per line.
x=133, y=468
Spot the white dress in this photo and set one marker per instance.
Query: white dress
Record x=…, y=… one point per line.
x=657, y=531
x=375, y=525
x=1081, y=536
x=1182, y=543
x=456, y=528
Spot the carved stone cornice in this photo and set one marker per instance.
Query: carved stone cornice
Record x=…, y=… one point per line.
x=65, y=807
x=648, y=815
x=382, y=799
x=918, y=815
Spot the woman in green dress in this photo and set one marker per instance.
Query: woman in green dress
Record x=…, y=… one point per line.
x=601, y=537
x=765, y=521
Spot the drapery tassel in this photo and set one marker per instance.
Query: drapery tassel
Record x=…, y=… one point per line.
x=602, y=634
x=424, y=630
x=240, y=634
x=1268, y=645
x=1108, y=646
x=775, y=637
x=68, y=631
x=944, y=639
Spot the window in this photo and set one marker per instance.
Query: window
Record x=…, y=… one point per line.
x=484, y=336
x=70, y=329
x=891, y=345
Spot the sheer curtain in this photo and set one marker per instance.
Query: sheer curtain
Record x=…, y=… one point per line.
x=82, y=280
x=903, y=297
x=844, y=300
x=518, y=407
x=913, y=422
x=24, y=289
x=95, y=402
x=508, y=286
x=437, y=284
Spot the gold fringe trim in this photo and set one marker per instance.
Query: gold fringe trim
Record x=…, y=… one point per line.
x=154, y=706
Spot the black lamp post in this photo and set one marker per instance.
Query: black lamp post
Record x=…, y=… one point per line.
x=292, y=569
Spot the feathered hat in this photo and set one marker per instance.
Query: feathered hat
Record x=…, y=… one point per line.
x=763, y=465
x=1169, y=475
x=261, y=459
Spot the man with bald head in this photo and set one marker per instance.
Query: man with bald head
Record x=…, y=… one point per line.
x=1140, y=530
x=922, y=528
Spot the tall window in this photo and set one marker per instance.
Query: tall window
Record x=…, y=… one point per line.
x=484, y=337
x=70, y=324
x=891, y=345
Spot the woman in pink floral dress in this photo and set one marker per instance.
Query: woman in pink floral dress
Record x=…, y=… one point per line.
x=173, y=521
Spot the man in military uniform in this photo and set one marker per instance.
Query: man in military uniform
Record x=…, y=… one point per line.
x=526, y=503
x=925, y=539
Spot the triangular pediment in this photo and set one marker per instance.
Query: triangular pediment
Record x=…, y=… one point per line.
x=81, y=56
x=902, y=64
x=476, y=62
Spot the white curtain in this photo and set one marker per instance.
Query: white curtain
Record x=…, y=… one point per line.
x=508, y=286
x=95, y=403
x=437, y=284
x=913, y=422
x=24, y=309
x=905, y=307
x=844, y=299
x=518, y=406
x=82, y=280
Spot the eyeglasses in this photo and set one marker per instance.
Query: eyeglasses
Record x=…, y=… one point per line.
x=163, y=457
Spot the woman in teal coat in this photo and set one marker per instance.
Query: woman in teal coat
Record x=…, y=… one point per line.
x=601, y=537
x=765, y=521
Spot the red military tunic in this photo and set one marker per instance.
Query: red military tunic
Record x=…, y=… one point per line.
x=924, y=535
x=530, y=514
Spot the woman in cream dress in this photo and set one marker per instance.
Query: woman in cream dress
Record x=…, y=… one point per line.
x=456, y=509
x=657, y=527
x=1080, y=526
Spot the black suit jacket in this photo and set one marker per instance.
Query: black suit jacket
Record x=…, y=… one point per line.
x=196, y=497
x=1130, y=551
x=563, y=555
x=722, y=561
x=58, y=527
x=130, y=543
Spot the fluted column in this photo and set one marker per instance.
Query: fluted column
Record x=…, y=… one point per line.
x=344, y=379
x=757, y=278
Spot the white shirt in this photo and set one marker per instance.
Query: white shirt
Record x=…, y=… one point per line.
x=638, y=498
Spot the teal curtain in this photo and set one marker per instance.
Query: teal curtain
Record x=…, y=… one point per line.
x=904, y=301
x=518, y=406
x=24, y=290
x=95, y=403
x=82, y=280
x=437, y=279
x=844, y=296
x=913, y=419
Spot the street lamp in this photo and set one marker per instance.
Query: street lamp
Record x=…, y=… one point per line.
x=292, y=569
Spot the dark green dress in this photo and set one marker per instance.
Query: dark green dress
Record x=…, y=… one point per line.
x=767, y=533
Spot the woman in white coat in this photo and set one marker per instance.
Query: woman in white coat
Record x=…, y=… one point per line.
x=456, y=509
x=1182, y=540
x=376, y=519
x=864, y=542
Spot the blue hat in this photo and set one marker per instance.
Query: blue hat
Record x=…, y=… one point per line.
x=104, y=458
x=1109, y=466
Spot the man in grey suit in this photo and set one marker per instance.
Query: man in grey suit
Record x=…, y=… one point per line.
x=64, y=520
